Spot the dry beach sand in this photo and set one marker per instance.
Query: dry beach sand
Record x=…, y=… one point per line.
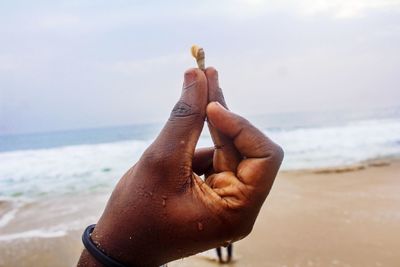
x=334, y=217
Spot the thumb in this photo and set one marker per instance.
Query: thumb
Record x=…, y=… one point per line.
x=174, y=147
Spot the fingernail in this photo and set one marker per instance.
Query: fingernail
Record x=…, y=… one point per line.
x=190, y=78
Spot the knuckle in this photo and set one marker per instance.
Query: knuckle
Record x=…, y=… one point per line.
x=280, y=152
x=243, y=126
x=271, y=150
x=182, y=110
x=244, y=123
x=159, y=156
x=273, y=157
x=276, y=153
x=152, y=158
x=260, y=143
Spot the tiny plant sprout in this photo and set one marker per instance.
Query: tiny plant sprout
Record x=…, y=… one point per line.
x=199, y=55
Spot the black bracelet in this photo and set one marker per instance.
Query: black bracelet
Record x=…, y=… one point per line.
x=99, y=255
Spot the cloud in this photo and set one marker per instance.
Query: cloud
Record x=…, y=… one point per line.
x=108, y=61
x=59, y=21
x=84, y=19
x=339, y=9
x=346, y=8
x=9, y=63
x=147, y=65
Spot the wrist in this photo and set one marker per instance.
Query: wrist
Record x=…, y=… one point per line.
x=115, y=247
x=130, y=249
x=96, y=251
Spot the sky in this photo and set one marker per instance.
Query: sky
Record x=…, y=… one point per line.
x=83, y=64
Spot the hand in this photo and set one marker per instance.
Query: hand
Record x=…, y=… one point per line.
x=161, y=210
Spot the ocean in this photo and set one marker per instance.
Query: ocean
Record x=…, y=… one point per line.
x=92, y=160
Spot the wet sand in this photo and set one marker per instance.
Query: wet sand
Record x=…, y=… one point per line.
x=327, y=217
x=332, y=217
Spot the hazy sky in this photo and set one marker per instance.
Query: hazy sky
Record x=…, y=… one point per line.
x=72, y=64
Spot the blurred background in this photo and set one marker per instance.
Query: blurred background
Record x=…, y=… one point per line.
x=85, y=87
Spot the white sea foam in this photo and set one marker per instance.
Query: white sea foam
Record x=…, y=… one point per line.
x=38, y=233
x=97, y=167
x=338, y=145
x=7, y=217
x=49, y=217
x=66, y=169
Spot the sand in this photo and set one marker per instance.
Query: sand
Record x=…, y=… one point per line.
x=332, y=217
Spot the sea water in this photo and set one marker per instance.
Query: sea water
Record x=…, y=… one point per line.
x=53, y=184
x=92, y=160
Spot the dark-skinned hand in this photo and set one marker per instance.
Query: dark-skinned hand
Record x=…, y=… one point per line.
x=161, y=210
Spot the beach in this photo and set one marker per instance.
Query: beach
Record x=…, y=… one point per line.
x=93, y=91
x=320, y=217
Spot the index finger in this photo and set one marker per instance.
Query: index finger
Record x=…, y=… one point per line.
x=262, y=156
x=226, y=157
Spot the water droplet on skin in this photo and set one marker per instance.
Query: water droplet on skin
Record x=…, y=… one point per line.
x=199, y=226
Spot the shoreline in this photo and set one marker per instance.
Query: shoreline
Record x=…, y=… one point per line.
x=316, y=217
x=374, y=162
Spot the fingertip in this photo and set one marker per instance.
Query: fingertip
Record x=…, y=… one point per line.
x=211, y=105
x=193, y=75
x=211, y=73
x=214, y=106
